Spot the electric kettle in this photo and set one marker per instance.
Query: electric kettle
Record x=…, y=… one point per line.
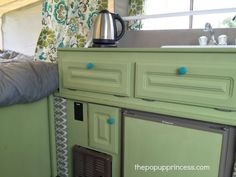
x=105, y=30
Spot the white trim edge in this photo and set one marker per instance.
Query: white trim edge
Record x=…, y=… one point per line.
x=175, y=14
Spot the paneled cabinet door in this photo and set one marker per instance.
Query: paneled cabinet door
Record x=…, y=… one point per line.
x=104, y=127
x=96, y=72
x=193, y=83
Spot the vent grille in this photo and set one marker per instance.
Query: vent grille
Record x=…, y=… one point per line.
x=100, y=166
x=89, y=166
x=90, y=163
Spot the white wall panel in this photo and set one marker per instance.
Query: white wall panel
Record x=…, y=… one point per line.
x=1, y=42
x=121, y=7
x=21, y=29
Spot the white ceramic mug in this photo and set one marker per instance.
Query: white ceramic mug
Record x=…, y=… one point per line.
x=222, y=39
x=202, y=40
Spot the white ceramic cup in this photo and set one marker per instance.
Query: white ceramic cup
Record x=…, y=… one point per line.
x=202, y=40
x=222, y=39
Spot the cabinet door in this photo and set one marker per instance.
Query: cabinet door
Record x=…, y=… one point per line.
x=94, y=72
x=188, y=82
x=104, y=127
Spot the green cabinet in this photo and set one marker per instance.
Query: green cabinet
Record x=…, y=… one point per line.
x=104, y=124
x=186, y=83
x=203, y=78
x=99, y=130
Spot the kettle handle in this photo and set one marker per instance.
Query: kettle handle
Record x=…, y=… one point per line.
x=118, y=17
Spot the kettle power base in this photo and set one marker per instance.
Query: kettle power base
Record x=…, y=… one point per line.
x=104, y=46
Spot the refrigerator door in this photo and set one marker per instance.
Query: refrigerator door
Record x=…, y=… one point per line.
x=156, y=145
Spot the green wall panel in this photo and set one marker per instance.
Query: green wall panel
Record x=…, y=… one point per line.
x=24, y=140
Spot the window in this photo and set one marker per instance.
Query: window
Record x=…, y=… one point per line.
x=220, y=20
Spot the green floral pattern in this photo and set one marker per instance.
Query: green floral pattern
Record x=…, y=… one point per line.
x=66, y=23
x=46, y=38
x=60, y=12
x=136, y=7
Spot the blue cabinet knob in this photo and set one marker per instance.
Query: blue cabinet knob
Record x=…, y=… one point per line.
x=183, y=70
x=111, y=121
x=90, y=66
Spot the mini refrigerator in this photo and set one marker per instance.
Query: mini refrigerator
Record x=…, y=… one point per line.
x=163, y=146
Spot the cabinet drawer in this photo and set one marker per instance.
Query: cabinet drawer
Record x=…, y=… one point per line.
x=104, y=127
x=96, y=74
x=211, y=86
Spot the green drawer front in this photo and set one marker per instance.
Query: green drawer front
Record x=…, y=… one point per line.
x=205, y=86
x=104, y=128
x=95, y=74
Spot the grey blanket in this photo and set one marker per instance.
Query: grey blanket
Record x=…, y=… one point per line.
x=23, y=80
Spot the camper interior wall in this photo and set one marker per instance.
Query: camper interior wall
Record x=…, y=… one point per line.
x=121, y=7
x=21, y=28
x=1, y=40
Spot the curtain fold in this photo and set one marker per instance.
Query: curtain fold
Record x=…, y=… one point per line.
x=136, y=7
x=66, y=23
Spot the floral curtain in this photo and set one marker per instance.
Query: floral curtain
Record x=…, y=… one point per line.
x=136, y=7
x=66, y=23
